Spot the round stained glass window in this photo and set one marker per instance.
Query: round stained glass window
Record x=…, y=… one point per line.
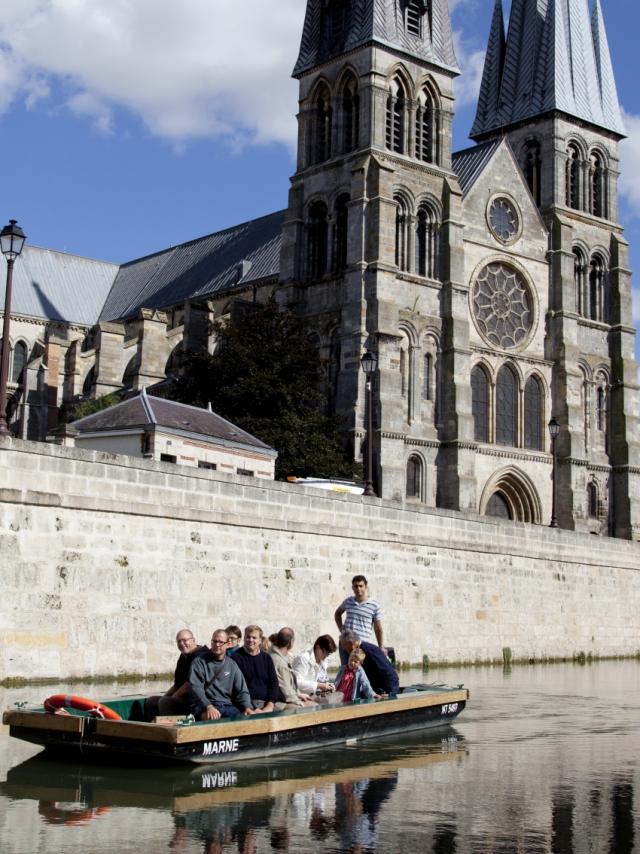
x=502, y=306
x=503, y=219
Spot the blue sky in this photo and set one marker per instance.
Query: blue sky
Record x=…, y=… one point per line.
x=131, y=125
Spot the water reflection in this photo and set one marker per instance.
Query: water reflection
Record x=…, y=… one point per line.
x=544, y=761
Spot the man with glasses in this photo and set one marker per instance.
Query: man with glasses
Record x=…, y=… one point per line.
x=175, y=701
x=218, y=688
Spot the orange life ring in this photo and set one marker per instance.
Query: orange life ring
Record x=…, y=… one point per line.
x=98, y=710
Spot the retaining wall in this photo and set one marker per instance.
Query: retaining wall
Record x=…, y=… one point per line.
x=103, y=558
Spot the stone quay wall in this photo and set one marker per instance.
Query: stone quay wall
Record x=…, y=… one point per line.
x=103, y=558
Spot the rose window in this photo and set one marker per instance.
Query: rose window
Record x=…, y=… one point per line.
x=502, y=306
x=503, y=219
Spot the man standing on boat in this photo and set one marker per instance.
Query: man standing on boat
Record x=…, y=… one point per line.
x=218, y=688
x=363, y=615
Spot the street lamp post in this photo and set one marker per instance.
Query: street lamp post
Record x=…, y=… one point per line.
x=554, y=432
x=369, y=363
x=12, y=239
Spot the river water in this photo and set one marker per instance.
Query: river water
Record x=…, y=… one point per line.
x=544, y=759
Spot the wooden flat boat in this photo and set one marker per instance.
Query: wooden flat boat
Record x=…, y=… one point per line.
x=239, y=739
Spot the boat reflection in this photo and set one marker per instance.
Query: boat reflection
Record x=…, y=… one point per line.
x=337, y=792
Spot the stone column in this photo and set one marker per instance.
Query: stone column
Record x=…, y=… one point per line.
x=109, y=358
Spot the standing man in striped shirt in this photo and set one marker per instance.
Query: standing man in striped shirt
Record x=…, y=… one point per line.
x=362, y=615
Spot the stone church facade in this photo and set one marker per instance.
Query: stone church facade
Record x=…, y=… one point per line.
x=492, y=283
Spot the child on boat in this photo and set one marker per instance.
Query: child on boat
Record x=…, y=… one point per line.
x=352, y=681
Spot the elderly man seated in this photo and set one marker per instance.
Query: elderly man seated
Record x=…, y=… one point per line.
x=218, y=688
x=379, y=670
x=175, y=701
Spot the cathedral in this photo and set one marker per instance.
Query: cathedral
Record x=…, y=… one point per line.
x=492, y=283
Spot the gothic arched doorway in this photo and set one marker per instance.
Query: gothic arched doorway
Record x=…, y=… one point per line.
x=510, y=494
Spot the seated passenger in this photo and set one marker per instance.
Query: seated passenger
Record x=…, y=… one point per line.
x=218, y=688
x=310, y=669
x=379, y=670
x=175, y=701
x=289, y=693
x=352, y=681
x=234, y=633
x=259, y=671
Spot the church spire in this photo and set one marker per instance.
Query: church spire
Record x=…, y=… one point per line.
x=555, y=58
x=493, y=67
x=417, y=28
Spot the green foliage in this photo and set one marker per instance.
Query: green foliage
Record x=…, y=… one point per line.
x=88, y=407
x=266, y=377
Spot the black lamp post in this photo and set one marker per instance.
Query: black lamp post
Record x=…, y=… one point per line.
x=12, y=239
x=554, y=432
x=369, y=363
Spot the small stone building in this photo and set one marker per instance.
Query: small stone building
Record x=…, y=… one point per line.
x=171, y=432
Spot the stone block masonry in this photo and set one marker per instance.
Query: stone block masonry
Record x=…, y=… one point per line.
x=103, y=558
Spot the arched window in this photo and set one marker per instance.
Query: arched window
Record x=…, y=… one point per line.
x=592, y=500
x=413, y=13
x=531, y=166
x=506, y=408
x=415, y=471
x=427, y=229
x=341, y=233
x=533, y=414
x=573, y=176
x=19, y=362
x=426, y=127
x=396, y=112
x=580, y=282
x=597, y=294
x=323, y=126
x=402, y=221
x=173, y=365
x=601, y=402
x=317, y=240
x=480, y=404
x=427, y=377
x=597, y=195
x=350, y=115
x=498, y=507
x=89, y=382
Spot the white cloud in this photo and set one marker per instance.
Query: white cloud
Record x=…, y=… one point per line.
x=190, y=69
x=630, y=165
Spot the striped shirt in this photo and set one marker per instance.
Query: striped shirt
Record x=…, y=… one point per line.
x=360, y=616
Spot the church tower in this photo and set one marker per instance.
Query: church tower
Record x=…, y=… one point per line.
x=548, y=87
x=372, y=240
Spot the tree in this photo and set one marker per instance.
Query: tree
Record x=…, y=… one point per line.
x=91, y=405
x=265, y=376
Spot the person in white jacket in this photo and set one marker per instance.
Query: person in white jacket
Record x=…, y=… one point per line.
x=309, y=666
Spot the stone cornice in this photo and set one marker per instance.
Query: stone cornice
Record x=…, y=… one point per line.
x=514, y=454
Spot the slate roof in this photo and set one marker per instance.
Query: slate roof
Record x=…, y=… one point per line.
x=469, y=163
x=144, y=410
x=198, y=268
x=554, y=57
x=379, y=21
x=57, y=286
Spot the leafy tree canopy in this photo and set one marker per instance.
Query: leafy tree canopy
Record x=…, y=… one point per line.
x=89, y=406
x=266, y=377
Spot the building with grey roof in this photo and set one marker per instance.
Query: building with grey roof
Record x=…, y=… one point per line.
x=492, y=283
x=171, y=432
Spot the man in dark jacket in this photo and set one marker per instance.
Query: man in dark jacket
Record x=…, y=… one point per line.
x=175, y=701
x=218, y=688
x=380, y=671
x=258, y=670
